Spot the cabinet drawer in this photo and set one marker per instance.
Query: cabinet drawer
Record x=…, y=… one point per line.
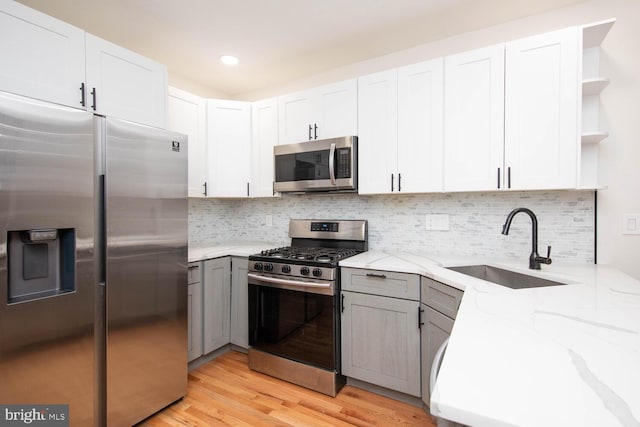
x=384, y=283
x=441, y=297
x=193, y=275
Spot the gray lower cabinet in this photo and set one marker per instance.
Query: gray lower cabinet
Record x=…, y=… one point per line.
x=380, y=333
x=218, y=305
x=239, y=302
x=195, y=312
x=439, y=303
x=216, y=293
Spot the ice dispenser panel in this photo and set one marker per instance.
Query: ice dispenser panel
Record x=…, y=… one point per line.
x=41, y=263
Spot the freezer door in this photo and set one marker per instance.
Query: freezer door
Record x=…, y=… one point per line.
x=47, y=276
x=146, y=286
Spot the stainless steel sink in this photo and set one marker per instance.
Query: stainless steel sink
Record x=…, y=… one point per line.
x=510, y=279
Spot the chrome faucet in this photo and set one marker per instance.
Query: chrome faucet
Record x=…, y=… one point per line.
x=534, y=258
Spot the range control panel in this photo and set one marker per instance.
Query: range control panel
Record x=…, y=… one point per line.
x=331, y=227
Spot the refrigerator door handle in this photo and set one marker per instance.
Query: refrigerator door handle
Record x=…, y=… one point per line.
x=102, y=232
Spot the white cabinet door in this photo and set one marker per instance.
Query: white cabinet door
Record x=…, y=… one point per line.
x=541, y=111
x=474, y=119
x=124, y=84
x=381, y=341
x=216, y=294
x=239, y=302
x=420, y=125
x=328, y=111
x=42, y=57
x=229, y=147
x=378, y=132
x=264, y=130
x=187, y=115
x=336, y=113
x=295, y=117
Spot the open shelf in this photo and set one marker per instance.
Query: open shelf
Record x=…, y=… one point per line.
x=594, y=86
x=594, y=34
x=593, y=137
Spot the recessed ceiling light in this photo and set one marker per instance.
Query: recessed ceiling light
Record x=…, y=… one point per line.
x=229, y=60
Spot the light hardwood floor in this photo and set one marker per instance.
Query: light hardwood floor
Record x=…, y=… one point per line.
x=226, y=392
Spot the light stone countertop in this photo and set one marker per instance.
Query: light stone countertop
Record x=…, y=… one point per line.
x=555, y=356
x=229, y=248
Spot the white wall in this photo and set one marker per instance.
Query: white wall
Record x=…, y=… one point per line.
x=620, y=112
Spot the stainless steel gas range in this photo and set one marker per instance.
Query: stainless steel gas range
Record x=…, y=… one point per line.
x=294, y=305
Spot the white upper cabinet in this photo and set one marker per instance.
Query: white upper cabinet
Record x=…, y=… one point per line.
x=328, y=111
x=378, y=132
x=123, y=84
x=474, y=119
x=47, y=59
x=264, y=136
x=400, y=129
x=420, y=126
x=229, y=148
x=187, y=115
x=541, y=148
x=42, y=57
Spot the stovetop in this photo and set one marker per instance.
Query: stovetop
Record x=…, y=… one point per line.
x=305, y=254
x=316, y=248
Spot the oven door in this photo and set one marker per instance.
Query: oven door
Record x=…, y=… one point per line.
x=324, y=165
x=294, y=322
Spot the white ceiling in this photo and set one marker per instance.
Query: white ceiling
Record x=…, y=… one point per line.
x=277, y=40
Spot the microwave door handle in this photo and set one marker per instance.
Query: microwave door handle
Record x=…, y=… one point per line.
x=332, y=158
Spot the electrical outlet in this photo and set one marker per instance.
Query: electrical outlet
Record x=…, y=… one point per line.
x=631, y=224
x=438, y=222
x=268, y=221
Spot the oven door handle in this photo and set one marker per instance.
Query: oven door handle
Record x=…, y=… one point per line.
x=332, y=167
x=298, y=283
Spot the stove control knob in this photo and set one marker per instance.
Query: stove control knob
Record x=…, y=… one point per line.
x=317, y=272
x=304, y=271
x=268, y=267
x=257, y=266
x=286, y=268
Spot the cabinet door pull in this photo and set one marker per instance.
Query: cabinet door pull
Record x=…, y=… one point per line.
x=509, y=177
x=399, y=182
x=82, y=99
x=315, y=131
x=247, y=189
x=377, y=276
x=310, y=133
x=392, y=182
x=498, y=178
x=93, y=94
x=420, y=322
x=342, y=304
x=205, y=189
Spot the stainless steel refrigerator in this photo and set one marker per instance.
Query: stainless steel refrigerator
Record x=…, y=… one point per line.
x=93, y=263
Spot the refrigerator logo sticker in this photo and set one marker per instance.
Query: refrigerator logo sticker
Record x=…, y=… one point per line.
x=175, y=146
x=37, y=415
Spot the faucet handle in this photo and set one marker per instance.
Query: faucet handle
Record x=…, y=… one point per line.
x=547, y=259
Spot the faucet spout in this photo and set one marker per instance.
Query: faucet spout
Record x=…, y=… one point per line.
x=534, y=259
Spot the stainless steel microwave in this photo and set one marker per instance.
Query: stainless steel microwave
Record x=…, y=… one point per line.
x=322, y=165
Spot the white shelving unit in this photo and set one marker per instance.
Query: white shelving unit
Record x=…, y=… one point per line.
x=592, y=85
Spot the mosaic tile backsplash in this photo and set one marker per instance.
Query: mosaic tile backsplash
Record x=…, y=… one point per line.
x=397, y=222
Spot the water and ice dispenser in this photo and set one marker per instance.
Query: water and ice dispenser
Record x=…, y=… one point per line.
x=41, y=263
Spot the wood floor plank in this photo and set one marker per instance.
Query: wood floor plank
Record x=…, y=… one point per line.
x=226, y=392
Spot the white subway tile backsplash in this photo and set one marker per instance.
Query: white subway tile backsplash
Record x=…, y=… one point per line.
x=397, y=222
